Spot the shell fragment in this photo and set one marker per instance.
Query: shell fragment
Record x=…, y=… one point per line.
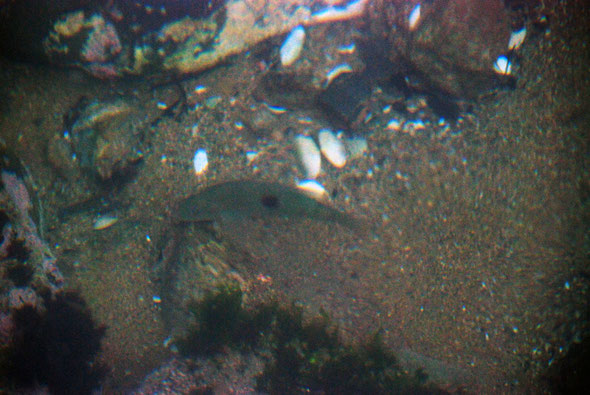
x=333, y=14
x=104, y=222
x=313, y=189
x=414, y=17
x=503, y=65
x=309, y=156
x=335, y=72
x=332, y=148
x=516, y=39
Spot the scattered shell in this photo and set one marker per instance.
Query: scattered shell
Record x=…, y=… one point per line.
x=305, y=120
x=394, y=124
x=200, y=161
x=212, y=102
x=251, y=156
x=291, y=48
x=335, y=72
x=104, y=222
x=414, y=126
x=199, y=89
x=414, y=17
x=516, y=39
x=333, y=14
x=332, y=148
x=276, y=109
x=502, y=65
x=309, y=156
x=356, y=146
x=313, y=189
x=347, y=49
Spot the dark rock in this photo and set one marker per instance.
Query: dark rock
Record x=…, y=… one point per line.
x=454, y=44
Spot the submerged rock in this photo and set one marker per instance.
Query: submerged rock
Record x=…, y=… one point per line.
x=100, y=138
x=452, y=47
x=112, y=39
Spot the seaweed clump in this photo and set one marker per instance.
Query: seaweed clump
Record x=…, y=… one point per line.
x=221, y=321
x=301, y=355
x=55, y=346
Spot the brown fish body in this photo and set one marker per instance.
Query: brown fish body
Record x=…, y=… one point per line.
x=256, y=199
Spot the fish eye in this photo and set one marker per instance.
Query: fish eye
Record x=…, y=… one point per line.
x=270, y=201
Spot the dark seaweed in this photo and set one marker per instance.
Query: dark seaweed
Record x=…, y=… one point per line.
x=307, y=355
x=56, y=348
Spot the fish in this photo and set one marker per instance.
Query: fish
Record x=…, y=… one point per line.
x=257, y=199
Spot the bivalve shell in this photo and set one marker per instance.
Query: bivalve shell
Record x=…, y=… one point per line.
x=309, y=156
x=291, y=48
x=104, y=221
x=313, y=189
x=516, y=39
x=503, y=65
x=414, y=17
x=332, y=148
x=200, y=161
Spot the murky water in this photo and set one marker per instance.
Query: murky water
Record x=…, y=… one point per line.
x=464, y=160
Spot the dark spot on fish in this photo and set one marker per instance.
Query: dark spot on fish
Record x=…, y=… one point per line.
x=270, y=201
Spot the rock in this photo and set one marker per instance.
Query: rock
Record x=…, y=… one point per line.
x=115, y=38
x=453, y=46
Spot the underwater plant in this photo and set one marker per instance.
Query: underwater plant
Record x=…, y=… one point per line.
x=55, y=347
x=301, y=355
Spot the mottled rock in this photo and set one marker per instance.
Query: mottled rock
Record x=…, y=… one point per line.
x=101, y=138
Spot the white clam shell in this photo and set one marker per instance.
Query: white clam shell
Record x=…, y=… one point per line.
x=309, y=156
x=332, y=148
x=291, y=48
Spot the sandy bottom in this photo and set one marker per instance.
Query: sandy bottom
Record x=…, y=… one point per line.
x=474, y=263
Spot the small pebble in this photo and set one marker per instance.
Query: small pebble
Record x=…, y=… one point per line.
x=356, y=146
